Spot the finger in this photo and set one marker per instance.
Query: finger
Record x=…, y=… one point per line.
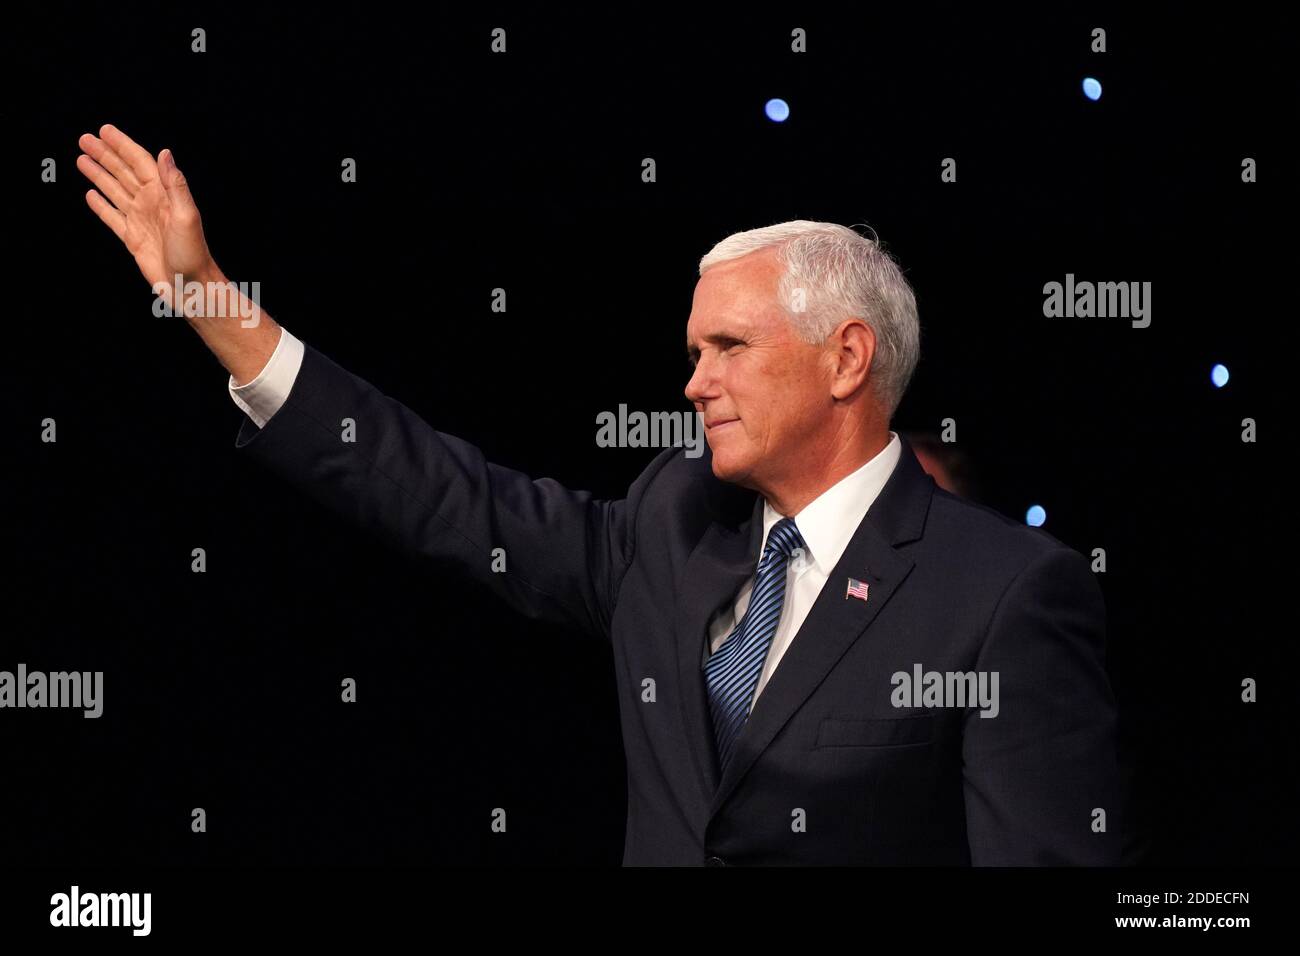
x=97, y=150
x=111, y=217
x=132, y=153
x=109, y=186
x=174, y=181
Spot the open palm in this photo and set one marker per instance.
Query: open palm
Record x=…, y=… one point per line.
x=147, y=204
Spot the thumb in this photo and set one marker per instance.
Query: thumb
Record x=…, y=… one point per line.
x=173, y=180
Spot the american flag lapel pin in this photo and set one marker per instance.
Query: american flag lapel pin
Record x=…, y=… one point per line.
x=857, y=589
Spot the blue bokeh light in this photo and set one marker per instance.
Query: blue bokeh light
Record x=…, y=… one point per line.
x=1036, y=516
x=1219, y=376
x=777, y=110
x=1091, y=88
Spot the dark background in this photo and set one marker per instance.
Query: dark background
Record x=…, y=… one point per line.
x=523, y=171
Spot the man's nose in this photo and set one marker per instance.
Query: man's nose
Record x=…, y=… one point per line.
x=699, y=384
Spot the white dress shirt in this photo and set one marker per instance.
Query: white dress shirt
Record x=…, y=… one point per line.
x=827, y=523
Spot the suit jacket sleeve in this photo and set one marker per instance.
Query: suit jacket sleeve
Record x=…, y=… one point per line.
x=1035, y=773
x=434, y=496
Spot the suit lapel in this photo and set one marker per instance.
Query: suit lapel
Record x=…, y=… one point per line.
x=720, y=564
x=832, y=626
x=726, y=557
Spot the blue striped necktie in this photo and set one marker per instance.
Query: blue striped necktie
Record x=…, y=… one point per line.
x=732, y=673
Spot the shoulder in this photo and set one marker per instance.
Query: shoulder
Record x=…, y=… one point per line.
x=679, y=491
x=985, y=545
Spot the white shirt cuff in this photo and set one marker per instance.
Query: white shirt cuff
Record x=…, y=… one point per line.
x=262, y=397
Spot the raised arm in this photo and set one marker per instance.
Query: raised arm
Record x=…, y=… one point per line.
x=549, y=552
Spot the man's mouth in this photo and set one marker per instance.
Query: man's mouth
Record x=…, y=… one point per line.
x=719, y=422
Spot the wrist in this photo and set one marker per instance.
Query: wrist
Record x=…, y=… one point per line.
x=206, y=273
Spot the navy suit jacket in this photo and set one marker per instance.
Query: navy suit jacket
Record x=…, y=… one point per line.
x=826, y=769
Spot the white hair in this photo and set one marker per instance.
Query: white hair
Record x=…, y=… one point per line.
x=841, y=274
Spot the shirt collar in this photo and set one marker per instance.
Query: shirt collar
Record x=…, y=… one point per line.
x=827, y=523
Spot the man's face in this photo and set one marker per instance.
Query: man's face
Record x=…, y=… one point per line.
x=763, y=393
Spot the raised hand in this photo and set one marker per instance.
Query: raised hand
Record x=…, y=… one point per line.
x=148, y=206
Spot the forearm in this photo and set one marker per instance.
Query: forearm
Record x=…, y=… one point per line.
x=237, y=331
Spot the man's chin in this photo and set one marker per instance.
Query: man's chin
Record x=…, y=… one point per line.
x=726, y=470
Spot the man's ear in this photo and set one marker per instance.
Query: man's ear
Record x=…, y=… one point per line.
x=854, y=346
